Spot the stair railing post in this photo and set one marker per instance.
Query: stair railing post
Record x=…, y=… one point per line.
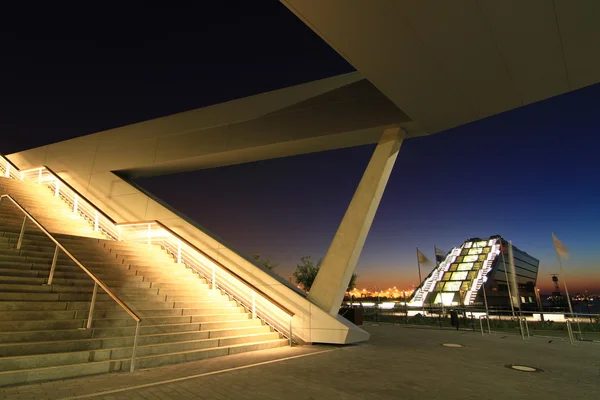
x=22, y=233
x=570, y=332
x=179, y=252
x=253, y=305
x=39, y=176
x=96, y=222
x=7, y=171
x=135, y=341
x=75, y=205
x=214, y=278
x=521, y=329
x=92, y=305
x=53, y=267
x=56, y=188
x=291, y=334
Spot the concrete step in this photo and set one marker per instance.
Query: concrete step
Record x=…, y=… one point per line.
x=55, y=288
x=158, y=313
x=84, y=252
x=161, y=348
x=49, y=246
x=27, y=275
x=21, y=280
x=42, y=327
x=16, y=356
x=171, y=328
x=234, y=328
x=169, y=320
x=201, y=354
x=45, y=213
x=36, y=315
x=38, y=374
x=148, y=344
x=42, y=239
x=67, y=276
x=22, y=337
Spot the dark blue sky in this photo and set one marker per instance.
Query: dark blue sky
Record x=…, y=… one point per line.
x=520, y=174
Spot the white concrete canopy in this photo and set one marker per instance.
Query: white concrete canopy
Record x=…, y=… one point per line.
x=445, y=63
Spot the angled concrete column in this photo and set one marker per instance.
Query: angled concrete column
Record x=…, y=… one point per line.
x=332, y=280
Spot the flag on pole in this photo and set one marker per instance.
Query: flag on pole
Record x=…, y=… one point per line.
x=440, y=255
x=421, y=258
x=561, y=249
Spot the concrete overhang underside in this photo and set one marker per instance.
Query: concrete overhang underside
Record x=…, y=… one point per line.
x=338, y=112
x=446, y=63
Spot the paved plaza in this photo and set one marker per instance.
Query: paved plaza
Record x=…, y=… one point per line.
x=398, y=363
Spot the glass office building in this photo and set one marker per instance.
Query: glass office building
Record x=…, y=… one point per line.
x=478, y=265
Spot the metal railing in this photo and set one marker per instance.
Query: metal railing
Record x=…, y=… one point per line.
x=260, y=304
x=487, y=318
x=526, y=323
x=8, y=169
x=570, y=332
x=253, y=298
x=97, y=281
x=523, y=321
x=78, y=203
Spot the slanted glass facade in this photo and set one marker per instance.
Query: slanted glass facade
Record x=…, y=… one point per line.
x=459, y=279
x=526, y=271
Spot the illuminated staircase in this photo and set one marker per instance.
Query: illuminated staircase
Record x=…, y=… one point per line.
x=428, y=285
x=43, y=328
x=458, y=279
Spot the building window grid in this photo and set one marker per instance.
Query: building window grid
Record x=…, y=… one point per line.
x=451, y=266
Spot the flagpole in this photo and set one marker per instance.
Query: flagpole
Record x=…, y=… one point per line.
x=419, y=266
x=421, y=284
x=436, y=266
x=512, y=307
x=513, y=279
x=564, y=278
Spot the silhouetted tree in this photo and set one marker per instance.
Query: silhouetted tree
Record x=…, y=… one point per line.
x=267, y=264
x=306, y=272
x=352, y=283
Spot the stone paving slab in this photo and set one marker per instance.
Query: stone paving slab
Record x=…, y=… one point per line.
x=398, y=363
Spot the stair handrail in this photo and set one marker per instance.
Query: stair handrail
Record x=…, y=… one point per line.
x=99, y=212
x=250, y=296
x=65, y=183
x=213, y=260
x=97, y=281
x=77, y=196
x=10, y=169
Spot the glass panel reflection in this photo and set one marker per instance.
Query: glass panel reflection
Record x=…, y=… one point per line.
x=465, y=266
x=459, y=276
